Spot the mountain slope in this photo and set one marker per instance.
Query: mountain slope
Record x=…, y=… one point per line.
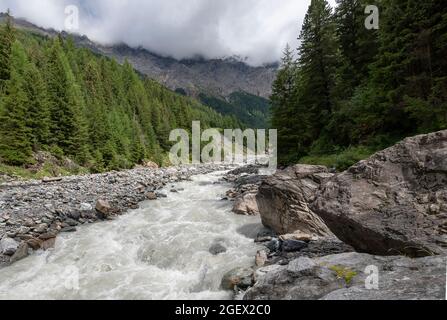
x=219, y=80
x=72, y=102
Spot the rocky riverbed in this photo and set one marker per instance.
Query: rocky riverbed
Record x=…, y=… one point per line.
x=33, y=213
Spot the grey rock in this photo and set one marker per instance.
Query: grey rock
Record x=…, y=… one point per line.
x=284, y=197
x=21, y=253
x=41, y=228
x=241, y=278
x=217, y=249
x=394, y=203
x=274, y=245
x=344, y=277
x=68, y=229
x=86, y=207
x=293, y=245
x=8, y=246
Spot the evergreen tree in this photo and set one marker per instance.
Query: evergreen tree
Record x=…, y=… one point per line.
x=68, y=130
x=15, y=145
x=38, y=117
x=283, y=104
x=7, y=38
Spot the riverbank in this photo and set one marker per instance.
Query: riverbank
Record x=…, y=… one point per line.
x=33, y=213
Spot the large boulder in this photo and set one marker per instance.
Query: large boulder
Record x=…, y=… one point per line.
x=284, y=197
x=394, y=203
x=352, y=276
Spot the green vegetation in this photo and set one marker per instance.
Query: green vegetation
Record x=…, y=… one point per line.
x=353, y=91
x=344, y=273
x=65, y=100
x=341, y=160
x=252, y=111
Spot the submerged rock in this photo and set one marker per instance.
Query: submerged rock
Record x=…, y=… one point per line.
x=217, y=249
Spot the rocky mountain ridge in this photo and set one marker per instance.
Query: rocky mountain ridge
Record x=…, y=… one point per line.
x=219, y=77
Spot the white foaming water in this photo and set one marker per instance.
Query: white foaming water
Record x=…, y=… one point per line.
x=160, y=251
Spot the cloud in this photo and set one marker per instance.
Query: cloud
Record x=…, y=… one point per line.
x=256, y=29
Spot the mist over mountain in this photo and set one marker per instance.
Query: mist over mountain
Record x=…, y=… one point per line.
x=224, y=84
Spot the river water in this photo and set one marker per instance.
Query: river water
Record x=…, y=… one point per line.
x=160, y=251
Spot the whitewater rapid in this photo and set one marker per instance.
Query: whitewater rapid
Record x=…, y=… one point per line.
x=160, y=251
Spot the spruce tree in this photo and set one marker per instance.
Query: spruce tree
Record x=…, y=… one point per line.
x=316, y=78
x=7, y=38
x=15, y=144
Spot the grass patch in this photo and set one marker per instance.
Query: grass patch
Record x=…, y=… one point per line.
x=344, y=273
x=340, y=161
x=47, y=170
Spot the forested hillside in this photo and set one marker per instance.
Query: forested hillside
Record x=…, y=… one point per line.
x=352, y=91
x=253, y=111
x=66, y=100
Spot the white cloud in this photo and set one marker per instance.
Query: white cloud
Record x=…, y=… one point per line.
x=257, y=29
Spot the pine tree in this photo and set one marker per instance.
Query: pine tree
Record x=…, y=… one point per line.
x=68, y=130
x=7, y=38
x=15, y=145
x=283, y=104
x=38, y=116
x=316, y=79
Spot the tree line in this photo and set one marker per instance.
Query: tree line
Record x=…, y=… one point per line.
x=347, y=86
x=66, y=100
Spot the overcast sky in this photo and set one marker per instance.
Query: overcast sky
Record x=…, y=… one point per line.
x=257, y=29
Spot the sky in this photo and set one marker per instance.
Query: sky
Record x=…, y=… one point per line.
x=254, y=29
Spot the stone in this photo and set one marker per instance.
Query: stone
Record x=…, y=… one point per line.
x=217, y=249
x=71, y=222
x=86, y=207
x=47, y=236
x=241, y=278
x=274, y=245
x=23, y=230
x=21, y=253
x=261, y=258
x=246, y=205
x=151, y=165
x=8, y=246
x=103, y=207
x=41, y=228
x=48, y=244
x=68, y=229
x=301, y=267
x=344, y=277
x=298, y=236
x=49, y=180
x=284, y=199
x=394, y=203
x=151, y=196
x=34, y=244
x=293, y=245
